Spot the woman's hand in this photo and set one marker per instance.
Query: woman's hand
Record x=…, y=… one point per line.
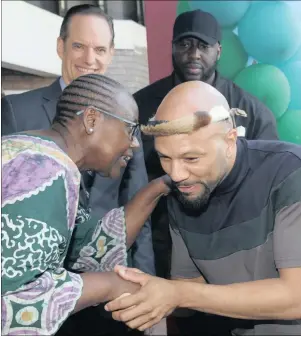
x=166, y=183
x=120, y=287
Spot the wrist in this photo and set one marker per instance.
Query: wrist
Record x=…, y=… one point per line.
x=179, y=293
x=189, y=294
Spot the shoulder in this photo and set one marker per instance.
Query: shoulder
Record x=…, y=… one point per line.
x=26, y=96
x=20, y=150
x=31, y=165
x=154, y=89
x=31, y=96
x=275, y=148
x=239, y=96
x=276, y=161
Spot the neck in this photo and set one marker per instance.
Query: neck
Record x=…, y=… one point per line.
x=229, y=166
x=67, y=142
x=209, y=80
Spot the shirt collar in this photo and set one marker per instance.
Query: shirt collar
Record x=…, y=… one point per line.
x=239, y=170
x=62, y=83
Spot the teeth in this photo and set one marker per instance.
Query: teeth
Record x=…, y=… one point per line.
x=85, y=70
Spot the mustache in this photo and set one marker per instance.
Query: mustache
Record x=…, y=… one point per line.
x=187, y=184
x=194, y=65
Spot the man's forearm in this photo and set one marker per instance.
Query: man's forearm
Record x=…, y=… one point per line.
x=265, y=299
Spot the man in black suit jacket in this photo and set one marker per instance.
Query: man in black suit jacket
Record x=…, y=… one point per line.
x=86, y=44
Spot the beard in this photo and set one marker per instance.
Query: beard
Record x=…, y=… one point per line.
x=195, y=204
x=205, y=75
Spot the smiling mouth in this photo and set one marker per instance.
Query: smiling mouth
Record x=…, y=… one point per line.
x=86, y=70
x=186, y=189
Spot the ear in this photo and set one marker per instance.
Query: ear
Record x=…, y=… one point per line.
x=111, y=52
x=219, y=51
x=90, y=118
x=231, y=139
x=60, y=47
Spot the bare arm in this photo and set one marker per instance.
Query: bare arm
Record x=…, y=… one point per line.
x=264, y=299
x=141, y=206
x=102, y=287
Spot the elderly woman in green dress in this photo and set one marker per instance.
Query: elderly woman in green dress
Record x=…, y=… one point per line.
x=52, y=265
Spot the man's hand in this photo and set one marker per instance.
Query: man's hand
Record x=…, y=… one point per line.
x=156, y=299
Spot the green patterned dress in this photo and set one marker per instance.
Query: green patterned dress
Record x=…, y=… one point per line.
x=40, y=190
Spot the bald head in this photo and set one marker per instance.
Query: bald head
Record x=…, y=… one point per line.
x=189, y=97
x=189, y=107
x=195, y=140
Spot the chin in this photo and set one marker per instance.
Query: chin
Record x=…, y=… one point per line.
x=189, y=77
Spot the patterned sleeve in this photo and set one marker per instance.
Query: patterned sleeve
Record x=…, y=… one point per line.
x=99, y=245
x=39, y=201
x=40, y=307
x=38, y=294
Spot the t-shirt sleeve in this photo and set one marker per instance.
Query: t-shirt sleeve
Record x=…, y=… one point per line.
x=287, y=237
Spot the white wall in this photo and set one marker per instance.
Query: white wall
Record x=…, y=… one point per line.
x=29, y=38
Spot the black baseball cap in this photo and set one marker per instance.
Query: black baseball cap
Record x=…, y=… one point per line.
x=198, y=24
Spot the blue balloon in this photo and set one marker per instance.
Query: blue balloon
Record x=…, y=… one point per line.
x=296, y=57
x=227, y=13
x=292, y=72
x=270, y=31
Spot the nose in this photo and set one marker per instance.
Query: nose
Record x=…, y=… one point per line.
x=89, y=56
x=135, y=143
x=195, y=53
x=178, y=172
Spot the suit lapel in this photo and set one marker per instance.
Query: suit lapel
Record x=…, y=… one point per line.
x=51, y=96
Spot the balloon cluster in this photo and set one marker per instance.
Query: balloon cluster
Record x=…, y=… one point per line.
x=261, y=52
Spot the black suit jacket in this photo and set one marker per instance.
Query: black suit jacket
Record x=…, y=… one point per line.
x=35, y=110
x=260, y=124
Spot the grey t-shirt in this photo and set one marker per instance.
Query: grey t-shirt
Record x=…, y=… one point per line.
x=250, y=229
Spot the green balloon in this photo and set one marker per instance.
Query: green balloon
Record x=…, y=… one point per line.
x=183, y=6
x=268, y=84
x=233, y=58
x=289, y=126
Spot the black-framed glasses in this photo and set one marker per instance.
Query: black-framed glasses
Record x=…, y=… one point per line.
x=132, y=126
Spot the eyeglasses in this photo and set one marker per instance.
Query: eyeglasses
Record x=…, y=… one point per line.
x=132, y=126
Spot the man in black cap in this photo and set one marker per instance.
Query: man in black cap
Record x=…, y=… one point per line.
x=196, y=50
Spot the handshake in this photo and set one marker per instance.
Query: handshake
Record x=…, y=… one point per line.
x=137, y=298
x=147, y=300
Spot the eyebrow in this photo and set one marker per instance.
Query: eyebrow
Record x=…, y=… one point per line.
x=85, y=44
x=192, y=153
x=189, y=153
